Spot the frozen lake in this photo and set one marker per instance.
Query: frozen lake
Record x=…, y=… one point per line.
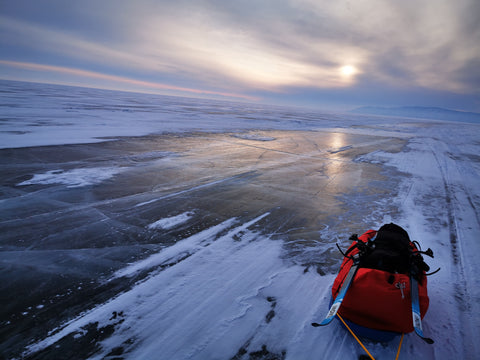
x=134, y=225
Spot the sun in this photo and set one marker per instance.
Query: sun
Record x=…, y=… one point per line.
x=348, y=70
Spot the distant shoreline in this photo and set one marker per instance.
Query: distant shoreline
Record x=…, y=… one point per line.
x=420, y=112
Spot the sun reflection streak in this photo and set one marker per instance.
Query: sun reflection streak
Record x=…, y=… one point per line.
x=333, y=167
x=337, y=141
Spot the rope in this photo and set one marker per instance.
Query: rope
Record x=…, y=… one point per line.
x=363, y=346
x=355, y=336
x=399, y=347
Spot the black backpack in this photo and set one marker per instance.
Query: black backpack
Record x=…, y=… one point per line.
x=392, y=251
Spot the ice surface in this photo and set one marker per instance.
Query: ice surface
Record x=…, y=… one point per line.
x=39, y=114
x=197, y=229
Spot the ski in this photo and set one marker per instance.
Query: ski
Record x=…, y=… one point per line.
x=416, y=318
x=338, y=300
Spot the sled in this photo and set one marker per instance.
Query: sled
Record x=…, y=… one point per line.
x=378, y=303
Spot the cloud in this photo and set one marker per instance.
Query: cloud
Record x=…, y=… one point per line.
x=119, y=79
x=269, y=45
x=219, y=52
x=200, y=46
x=276, y=45
x=423, y=42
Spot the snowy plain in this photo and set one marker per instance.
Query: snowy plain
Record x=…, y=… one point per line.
x=137, y=226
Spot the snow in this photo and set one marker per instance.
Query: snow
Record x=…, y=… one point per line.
x=73, y=178
x=175, y=253
x=435, y=173
x=254, y=137
x=170, y=222
x=78, y=115
x=239, y=280
x=235, y=284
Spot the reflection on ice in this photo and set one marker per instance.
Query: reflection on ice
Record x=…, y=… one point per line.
x=337, y=141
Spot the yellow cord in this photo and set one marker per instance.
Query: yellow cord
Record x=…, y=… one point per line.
x=399, y=347
x=363, y=346
x=355, y=336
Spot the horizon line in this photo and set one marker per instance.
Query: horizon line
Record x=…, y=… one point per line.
x=120, y=79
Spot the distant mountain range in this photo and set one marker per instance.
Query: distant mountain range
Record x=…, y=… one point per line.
x=433, y=113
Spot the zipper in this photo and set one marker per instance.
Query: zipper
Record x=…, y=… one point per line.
x=401, y=286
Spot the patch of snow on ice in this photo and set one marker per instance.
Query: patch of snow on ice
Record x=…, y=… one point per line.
x=343, y=148
x=73, y=178
x=175, y=252
x=255, y=137
x=152, y=155
x=171, y=222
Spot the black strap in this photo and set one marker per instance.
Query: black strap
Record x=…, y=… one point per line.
x=363, y=248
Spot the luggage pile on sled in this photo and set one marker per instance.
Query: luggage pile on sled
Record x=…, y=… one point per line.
x=381, y=289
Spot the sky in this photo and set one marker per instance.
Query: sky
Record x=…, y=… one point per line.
x=314, y=53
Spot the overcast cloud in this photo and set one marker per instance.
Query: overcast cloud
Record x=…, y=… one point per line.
x=264, y=49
